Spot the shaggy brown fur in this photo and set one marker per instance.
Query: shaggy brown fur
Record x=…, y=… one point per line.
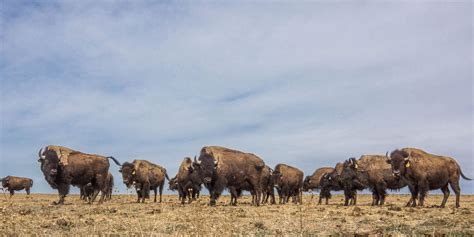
x=289, y=182
x=423, y=171
x=13, y=183
x=82, y=168
x=145, y=176
x=220, y=167
x=313, y=182
x=188, y=181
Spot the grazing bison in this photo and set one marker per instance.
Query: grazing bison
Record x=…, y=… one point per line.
x=373, y=172
x=423, y=171
x=188, y=182
x=220, y=167
x=313, y=182
x=332, y=181
x=63, y=167
x=288, y=181
x=12, y=184
x=145, y=176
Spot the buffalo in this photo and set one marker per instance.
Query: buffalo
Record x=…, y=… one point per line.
x=423, y=171
x=313, y=182
x=63, y=167
x=13, y=183
x=332, y=182
x=220, y=167
x=187, y=182
x=145, y=176
x=371, y=171
x=288, y=181
x=87, y=191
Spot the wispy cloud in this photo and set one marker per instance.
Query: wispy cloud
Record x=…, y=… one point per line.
x=307, y=84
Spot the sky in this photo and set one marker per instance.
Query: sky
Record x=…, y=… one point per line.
x=308, y=84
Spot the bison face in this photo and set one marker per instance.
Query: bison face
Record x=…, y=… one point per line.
x=276, y=178
x=173, y=184
x=399, y=161
x=49, y=166
x=306, y=183
x=206, y=167
x=128, y=174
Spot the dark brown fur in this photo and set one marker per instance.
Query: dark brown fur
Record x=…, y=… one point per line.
x=313, y=182
x=332, y=182
x=188, y=182
x=288, y=181
x=81, y=169
x=423, y=172
x=220, y=167
x=13, y=183
x=373, y=172
x=145, y=176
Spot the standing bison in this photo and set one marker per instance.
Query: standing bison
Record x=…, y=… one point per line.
x=371, y=171
x=145, y=176
x=313, y=182
x=332, y=181
x=423, y=172
x=12, y=184
x=63, y=167
x=187, y=181
x=289, y=182
x=220, y=167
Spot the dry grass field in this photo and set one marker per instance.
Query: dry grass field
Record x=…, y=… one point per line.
x=123, y=216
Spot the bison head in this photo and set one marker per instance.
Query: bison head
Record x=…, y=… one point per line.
x=349, y=169
x=49, y=161
x=306, y=183
x=206, y=167
x=399, y=161
x=128, y=174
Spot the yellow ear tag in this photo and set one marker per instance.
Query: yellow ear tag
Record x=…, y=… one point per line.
x=407, y=164
x=133, y=172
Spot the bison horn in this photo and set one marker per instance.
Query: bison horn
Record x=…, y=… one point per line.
x=40, y=154
x=196, y=161
x=386, y=155
x=216, y=161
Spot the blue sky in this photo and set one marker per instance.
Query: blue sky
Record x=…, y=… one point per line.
x=307, y=84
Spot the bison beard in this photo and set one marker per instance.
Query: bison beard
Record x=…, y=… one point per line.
x=82, y=169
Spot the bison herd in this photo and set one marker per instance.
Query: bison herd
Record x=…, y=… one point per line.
x=219, y=168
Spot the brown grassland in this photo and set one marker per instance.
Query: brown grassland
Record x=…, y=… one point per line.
x=122, y=215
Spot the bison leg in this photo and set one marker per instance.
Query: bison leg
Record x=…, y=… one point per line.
x=414, y=196
x=375, y=198
x=63, y=190
x=423, y=190
x=457, y=191
x=11, y=192
x=161, y=191
x=445, y=191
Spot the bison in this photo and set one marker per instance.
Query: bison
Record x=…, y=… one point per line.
x=423, y=171
x=220, y=167
x=63, y=167
x=371, y=171
x=289, y=182
x=145, y=176
x=188, y=182
x=313, y=182
x=334, y=181
x=12, y=184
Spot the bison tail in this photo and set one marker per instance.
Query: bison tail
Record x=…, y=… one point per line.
x=463, y=176
x=112, y=158
x=31, y=183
